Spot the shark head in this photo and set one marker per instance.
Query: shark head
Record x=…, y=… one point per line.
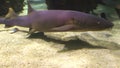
x=102, y=24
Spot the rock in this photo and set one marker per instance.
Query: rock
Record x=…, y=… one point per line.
x=99, y=38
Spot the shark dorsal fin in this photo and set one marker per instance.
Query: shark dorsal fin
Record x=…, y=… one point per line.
x=30, y=9
x=11, y=13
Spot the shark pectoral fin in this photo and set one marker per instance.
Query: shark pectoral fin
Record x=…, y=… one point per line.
x=64, y=28
x=31, y=31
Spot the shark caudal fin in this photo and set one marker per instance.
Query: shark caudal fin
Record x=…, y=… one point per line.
x=30, y=9
x=11, y=14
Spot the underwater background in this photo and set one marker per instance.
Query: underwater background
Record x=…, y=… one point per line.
x=98, y=49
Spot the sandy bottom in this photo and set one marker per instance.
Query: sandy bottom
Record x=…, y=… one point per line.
x=18, y=51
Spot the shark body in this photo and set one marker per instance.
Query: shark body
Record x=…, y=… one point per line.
x=55, y=21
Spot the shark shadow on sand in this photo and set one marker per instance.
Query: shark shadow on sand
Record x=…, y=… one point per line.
x=69, y=45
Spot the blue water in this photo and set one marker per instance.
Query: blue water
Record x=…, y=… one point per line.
x=36, y=4
x=40, y=5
